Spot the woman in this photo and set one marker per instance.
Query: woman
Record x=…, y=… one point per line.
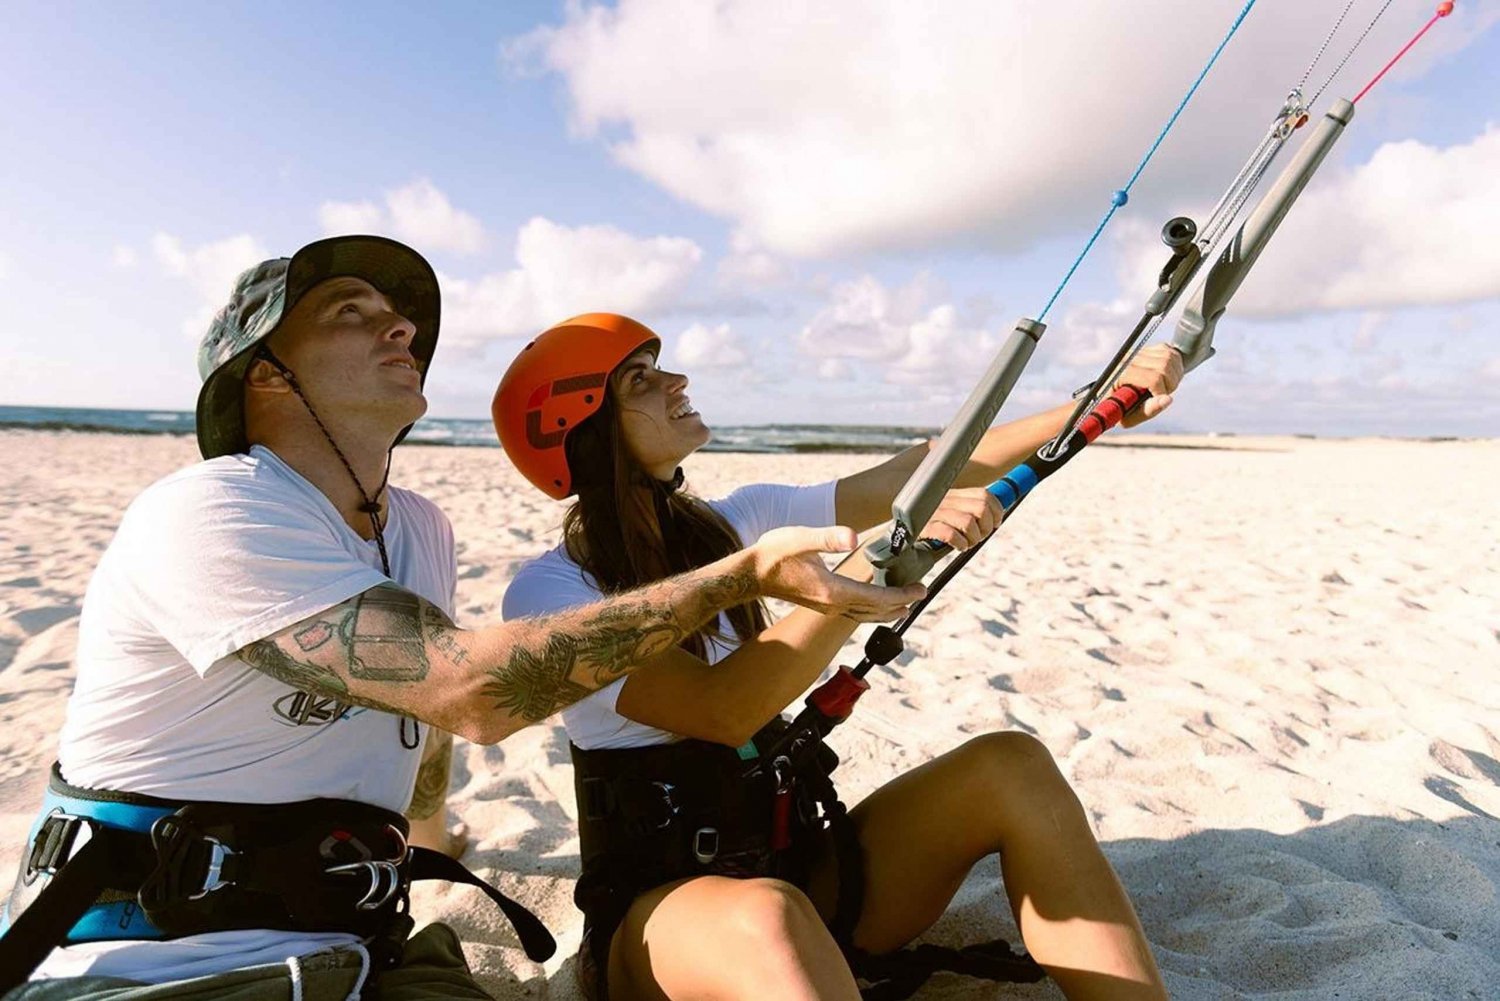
x=689, y=890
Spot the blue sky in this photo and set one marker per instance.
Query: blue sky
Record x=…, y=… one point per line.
x=831, y=217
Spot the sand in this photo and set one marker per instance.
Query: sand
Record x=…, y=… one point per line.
x=1270, y=667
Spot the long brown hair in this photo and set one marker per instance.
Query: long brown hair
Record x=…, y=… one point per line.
x=626, y=537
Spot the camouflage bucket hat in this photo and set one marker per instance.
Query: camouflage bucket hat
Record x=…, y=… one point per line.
x=261, y=299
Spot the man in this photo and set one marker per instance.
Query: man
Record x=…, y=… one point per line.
x=273, y=627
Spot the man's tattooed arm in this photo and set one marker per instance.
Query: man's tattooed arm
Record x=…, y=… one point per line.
x=391, y=650
x=575, y=653
x=366, y=651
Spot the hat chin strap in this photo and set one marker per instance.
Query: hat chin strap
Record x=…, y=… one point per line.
x=370, y=506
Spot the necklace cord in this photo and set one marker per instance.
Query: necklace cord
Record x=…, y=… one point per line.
x=370, y=507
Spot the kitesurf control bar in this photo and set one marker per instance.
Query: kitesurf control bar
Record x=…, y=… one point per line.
x=900, y=557
x=832, y=702
x=1195, y=330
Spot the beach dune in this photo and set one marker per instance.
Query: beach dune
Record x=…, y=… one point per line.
x=1270, y=667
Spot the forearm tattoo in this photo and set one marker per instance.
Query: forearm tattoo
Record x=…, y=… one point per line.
x=570, y=657
x=388, y=636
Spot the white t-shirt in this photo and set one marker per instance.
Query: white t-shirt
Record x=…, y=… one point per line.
x=553, y=582
x=206, y=561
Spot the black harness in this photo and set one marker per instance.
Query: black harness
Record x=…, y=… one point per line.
x=106, y=866
x=651, y=815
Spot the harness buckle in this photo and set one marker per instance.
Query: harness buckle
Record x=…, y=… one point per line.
x=596, y=800
x=54, y=844
x=213, y=876
x=385, y=874
x=385, y=881
x=179, y=846
x=706, y=844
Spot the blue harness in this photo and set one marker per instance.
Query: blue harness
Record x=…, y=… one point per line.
x=107, y=866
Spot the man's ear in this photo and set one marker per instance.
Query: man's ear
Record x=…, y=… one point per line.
x=264, y=377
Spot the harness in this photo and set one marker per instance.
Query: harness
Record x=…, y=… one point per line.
x=107, y=866
x=651, y=815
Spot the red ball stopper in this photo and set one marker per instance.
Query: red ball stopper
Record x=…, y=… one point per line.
x=1444, y=9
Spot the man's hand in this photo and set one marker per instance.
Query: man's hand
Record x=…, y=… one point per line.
x=964, y=518
x=788, y=566
x=1158, y=370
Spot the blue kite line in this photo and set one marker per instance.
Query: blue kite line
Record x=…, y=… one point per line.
x=1119, y=198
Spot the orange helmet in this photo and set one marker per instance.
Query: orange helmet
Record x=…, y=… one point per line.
x=555, y=384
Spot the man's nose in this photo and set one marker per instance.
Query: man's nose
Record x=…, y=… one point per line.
x=401, y=328
x=676, y=381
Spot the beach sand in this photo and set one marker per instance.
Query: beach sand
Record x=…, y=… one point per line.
x=1270, y=667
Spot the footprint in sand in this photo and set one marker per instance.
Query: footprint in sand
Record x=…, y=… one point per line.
x=1464, y=763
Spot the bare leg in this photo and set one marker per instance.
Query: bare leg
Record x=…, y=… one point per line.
x=428, y=811
x=713, y=937
x=924, y=831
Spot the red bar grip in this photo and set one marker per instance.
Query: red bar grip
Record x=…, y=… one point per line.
x=835, y=697
x=1110, y=411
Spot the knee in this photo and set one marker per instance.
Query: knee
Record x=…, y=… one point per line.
x=1019, y=769
x=770, y=916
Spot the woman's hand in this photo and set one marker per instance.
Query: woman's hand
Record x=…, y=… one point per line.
x=788, y=565
x=964, y=518
x=1158, y=370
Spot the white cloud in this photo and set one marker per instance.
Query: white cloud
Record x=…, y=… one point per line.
x=4, y=267
x=562, y=271
x=898, y=331
x=1413, y=226
x=747, y=266
x=866, y=321
x=124, y=256
x=944, y=352
x=210, y=269
x=701, y=347
x=834, y=370
x=418, y=213
x=852, y=124
x=341, y=218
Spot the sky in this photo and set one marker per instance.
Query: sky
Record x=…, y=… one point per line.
x=832, y=212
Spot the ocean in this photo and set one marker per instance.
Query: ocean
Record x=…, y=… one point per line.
x=766, y=438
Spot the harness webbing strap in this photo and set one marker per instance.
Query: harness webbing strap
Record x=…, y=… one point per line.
x=36, y=931
x=535, y=939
